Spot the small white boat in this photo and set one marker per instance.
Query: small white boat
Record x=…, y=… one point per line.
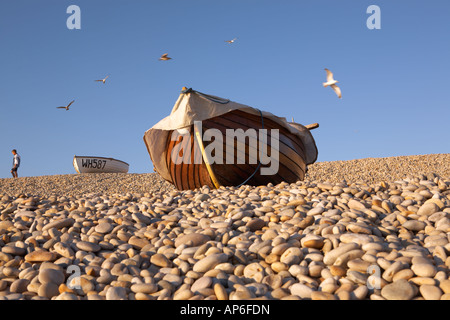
x=83, y=164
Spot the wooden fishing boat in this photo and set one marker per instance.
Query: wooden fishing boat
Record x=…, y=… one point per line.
x=88, y=164
x=189, y=152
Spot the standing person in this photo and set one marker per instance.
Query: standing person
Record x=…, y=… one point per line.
x=16, y=163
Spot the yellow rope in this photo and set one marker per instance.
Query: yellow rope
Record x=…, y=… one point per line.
x=205, y=157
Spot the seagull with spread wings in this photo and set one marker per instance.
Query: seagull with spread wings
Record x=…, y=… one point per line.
x=231, y=41
x=165, y=57
x=66, y=107
x=332, y=83
x=103, y=80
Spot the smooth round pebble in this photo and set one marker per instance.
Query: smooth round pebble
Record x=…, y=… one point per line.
x=116, y=293
x=429, y=292
x=399, y=290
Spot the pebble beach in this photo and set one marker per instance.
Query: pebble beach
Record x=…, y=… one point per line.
x=366, y=229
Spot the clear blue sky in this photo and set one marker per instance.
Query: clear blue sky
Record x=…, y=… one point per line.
x=396, y=94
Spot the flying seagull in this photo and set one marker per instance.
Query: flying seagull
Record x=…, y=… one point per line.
x=103, y=80
x=165, y=57
x=231, y=41
x=332, y=83
x=66, y=107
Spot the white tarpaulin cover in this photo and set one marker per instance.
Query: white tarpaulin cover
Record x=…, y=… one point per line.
x=194, y=106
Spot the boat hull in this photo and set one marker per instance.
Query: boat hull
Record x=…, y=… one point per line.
x=189, y=169
x=88, y=164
